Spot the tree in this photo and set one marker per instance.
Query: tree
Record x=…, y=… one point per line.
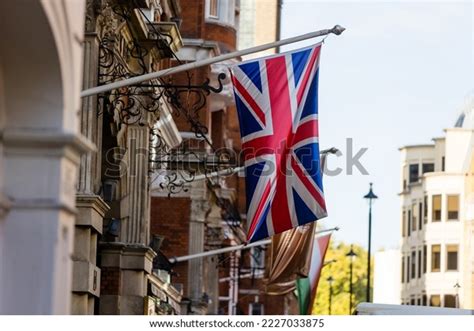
x=339, y=270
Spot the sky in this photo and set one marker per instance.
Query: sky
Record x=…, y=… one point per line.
x=398, y=75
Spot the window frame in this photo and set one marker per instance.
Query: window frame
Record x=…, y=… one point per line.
x=458, y=207
x=413, y=265
x=433, y=210
x=435, y=296
x=448, y=246
x=424, y=165
x=451, y=296
x=210, y=7
x=413, y=180
x=433, y=260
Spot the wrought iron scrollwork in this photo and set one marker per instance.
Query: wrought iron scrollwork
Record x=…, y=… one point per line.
x=122, y=56
x=176, y=168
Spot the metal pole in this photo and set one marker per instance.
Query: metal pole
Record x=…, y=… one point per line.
x=350, y=284
x=219, y=251
x=330, y=298
x=369, y=248
x=337, y=30
x=232, y=248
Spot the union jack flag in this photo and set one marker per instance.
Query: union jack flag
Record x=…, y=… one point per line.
x=277, y=105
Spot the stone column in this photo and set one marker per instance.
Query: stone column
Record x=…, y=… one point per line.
x=213, y=241
x=86, y=274
x=91, y=207
x=127, y=263
x=127, y=267
x=199, y=211
x=41, y=171
x=136, y=205
x=41, y=152
x=90, y=119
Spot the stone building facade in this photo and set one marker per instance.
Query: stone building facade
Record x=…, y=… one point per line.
x=85, y=182
x=113, y=260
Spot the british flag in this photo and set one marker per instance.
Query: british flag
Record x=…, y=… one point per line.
x=277, y=105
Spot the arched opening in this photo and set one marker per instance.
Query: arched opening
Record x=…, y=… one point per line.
x=39, y=154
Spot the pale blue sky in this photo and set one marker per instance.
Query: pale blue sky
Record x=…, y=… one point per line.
x=398, y=75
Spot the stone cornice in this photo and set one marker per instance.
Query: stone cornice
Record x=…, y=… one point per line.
x=41, y=140
x=92, y=201
x=43, y=204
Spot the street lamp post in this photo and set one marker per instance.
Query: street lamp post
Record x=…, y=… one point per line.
x=351, y=255
x=330, y=281
x=369, y=196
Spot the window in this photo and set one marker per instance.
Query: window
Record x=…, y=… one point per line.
x=412, y=301
x=257, y=258
x=414, y=173
x=453, y=207
x=424, y=300
x=436, y=206
x=435, y=301
x=442, y=163
x=427, y=167
x=449, y=301
x=425, y=209
x=213, y=8
x=435, y=258
x=409, y=223
x=408, y=269
x=418, y=302
x=452, y=257
x=222, y=12
x=414, y=224
x=420, y=216
x=256, y=308
x=404, y=225
x=403, y=269
x=419, y=263
x=425, y=260
x=413, y=265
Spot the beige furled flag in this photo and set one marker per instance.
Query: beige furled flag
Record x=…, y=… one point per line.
x=289, y=259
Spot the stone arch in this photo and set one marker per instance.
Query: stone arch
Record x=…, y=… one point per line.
x=40, y=80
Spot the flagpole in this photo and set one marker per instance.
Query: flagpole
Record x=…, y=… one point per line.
x=337, y=30
x=233, y=248
x=232, y=171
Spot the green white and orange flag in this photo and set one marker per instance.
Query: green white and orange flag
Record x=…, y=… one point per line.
x=307, y=287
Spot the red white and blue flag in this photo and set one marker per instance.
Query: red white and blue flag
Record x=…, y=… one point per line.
x=277, y=104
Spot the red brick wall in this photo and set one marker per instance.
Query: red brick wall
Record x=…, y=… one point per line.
x=110, y=280
x=192, y=12
x=170, y=218
x=226, y=35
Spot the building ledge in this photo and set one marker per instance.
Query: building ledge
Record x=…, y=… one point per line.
x=91, y=209
x=86, y=278
x=166, y=288
x=170, y=31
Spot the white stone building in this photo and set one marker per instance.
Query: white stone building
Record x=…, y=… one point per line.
x=387, y=277
x=437, y=218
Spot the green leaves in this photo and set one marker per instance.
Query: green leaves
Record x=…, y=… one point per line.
x=339, y=270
